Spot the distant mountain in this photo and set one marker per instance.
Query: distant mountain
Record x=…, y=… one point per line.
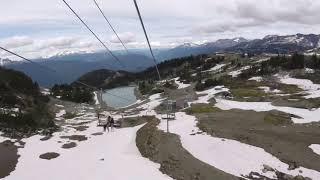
x=72, y=66
x=269, y=44
x=279, y=44
x=188, y=49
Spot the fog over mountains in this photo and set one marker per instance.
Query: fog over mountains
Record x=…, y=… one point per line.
x=72, y=65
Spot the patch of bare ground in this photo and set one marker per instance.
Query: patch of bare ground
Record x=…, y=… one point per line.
x=49, y=155
x=69, y=145
x=273, y=131
x=8, y=158
x=175, y=161
x=135, y=121
x=97, y=134
x=80, y=128
x=75, y=137
x=45, y=138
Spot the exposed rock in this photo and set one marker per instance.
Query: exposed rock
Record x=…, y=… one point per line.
x=49, y=155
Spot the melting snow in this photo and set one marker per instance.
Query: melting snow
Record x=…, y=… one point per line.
x=108, y=156
x=257, y=78
x=307, y=116
x=96, y=100
x=238, y=72
x=215, y=68
x=268, y=89
x=315, y=148
x=228, y=155
x=181, y=85
x=60, y=114
x=208, y=94
x=305, y=84
x=308, y=70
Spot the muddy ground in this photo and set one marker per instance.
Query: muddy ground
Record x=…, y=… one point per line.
x=175, y=161
x=8, y=158
x=271, y=131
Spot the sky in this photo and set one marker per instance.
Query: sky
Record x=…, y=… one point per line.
x=42, y=28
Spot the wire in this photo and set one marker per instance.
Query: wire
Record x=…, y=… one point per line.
x=53, y=70
x=94, y=34
x=110, y=25
x=146, y=35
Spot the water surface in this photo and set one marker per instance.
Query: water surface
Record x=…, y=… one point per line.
x=127, y=94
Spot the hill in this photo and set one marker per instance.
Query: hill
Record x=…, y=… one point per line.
x=22, y=106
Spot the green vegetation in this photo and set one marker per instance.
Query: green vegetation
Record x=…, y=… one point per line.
x=73, y=93
x=202, y=108
x=240, y=93
x=208, y=84
x=289, y=89
x=278, y=63
x=277, y=118
x=135, y=121
x=69, y=115
x=22, y=106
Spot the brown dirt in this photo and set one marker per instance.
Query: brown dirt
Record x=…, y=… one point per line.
x=80, y=128
x=75, y=137
x=97, y=134
x=45, y=138
x=69, y=145
x=8, y=158
x=175, y=161
x=49, y=155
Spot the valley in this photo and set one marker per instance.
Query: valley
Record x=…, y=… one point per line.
x=235, y=117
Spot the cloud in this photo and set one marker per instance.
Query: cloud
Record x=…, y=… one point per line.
x=127, y=37
x=16, y=42
x=59, y=42
x=48, y=26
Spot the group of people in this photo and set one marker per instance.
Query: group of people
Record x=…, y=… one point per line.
x=109, y=125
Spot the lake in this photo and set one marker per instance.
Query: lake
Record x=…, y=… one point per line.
x=116, y=102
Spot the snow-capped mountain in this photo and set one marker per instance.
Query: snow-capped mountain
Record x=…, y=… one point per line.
x=5, y=62
x=279, y=44
x=66, y=52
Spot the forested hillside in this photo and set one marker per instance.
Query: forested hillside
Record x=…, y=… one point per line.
x=22, y=106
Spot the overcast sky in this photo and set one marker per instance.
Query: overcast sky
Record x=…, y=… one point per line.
x=43, y=27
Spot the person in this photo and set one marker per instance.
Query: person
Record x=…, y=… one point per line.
x=105, y=127
x=108, y=123
x=111, y=123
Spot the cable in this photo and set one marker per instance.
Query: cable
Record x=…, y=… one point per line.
x=94, y=34
x=48, y=68
x=110, y=25
x=145, y=33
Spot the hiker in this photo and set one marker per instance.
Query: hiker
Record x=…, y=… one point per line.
x=108, y=123
x=111, y=123
x=105, y=126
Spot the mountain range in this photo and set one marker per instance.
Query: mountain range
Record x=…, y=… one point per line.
x=72, y=65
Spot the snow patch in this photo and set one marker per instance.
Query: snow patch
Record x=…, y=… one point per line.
x=267, y=89
x=306, y=116
x=60, y=114
x=257, y=78
x=181, y=85
x=114, y=152
x=309, y=71
x=96, y=100
x=312, y=89
x=206, y=95
x=315, y=148
x=238, y=72
x=215, y=68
